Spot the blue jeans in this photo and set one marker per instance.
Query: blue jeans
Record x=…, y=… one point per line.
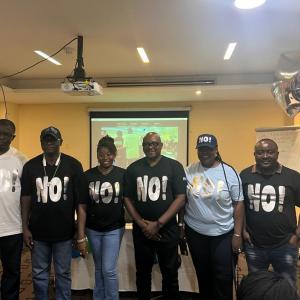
x=10, y=253
x=283, y=260
x=41, y=255
x=105, y=248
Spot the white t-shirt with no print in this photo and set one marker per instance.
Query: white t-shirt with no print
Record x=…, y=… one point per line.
x=209, y=210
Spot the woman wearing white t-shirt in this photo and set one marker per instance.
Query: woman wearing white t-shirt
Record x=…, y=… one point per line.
x=213, y=220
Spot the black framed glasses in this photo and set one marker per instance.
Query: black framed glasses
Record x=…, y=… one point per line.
x=151, y=144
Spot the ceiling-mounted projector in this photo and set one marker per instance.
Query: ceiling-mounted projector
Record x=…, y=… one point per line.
x=78, y=84
x=82, y=88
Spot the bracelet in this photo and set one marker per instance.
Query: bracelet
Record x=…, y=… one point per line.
x=160, y=224
x=82, y=240
x=237, y=235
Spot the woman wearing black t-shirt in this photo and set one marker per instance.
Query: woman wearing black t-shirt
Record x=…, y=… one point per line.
x=101, y=216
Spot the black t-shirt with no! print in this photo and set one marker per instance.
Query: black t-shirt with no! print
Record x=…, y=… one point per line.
x=104, y=199
x=54, y=196
x=270, y=205
x=153, y=189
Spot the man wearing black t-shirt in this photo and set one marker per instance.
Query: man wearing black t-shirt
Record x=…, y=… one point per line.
x=48, y=200
x=271, y=192
x=154, y=192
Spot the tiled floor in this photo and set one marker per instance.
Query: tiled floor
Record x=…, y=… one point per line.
x=26, y=290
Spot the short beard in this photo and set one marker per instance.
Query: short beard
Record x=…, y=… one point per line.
x=269, y=170
x=51, y=154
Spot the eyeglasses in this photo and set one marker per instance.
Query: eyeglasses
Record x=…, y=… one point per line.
x=151, y=144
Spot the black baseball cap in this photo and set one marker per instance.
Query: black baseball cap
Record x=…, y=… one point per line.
x=53, y=131
x=207, y=140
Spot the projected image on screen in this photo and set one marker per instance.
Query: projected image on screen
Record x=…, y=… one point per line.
x=128, y=134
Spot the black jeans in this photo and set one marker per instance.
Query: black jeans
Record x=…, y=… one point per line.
x=214, y=263
x=10, y=252
x=169, y=262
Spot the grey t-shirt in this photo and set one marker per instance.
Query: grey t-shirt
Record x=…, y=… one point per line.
x=209, y=210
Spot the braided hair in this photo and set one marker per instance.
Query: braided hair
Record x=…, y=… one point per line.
x=107, y=142
x=219, y=158
x=266, y=285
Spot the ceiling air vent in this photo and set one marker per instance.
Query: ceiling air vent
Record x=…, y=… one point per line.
x=158, y=81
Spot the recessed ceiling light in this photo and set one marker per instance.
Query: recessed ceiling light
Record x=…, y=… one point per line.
x=42, y=54
x=143, y=55
x=198, y=92
x=229, y=50
x=248, y=4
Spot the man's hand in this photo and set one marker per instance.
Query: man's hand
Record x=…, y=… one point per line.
x=294, y=241
x=151, y=230
x=246, y=237
x=142, y=224
x=28, y=238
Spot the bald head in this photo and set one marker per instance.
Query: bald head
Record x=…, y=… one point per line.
x=266, y=156
x=152, y=146
x=266, y=142
x=266, y=285
x=152, y=135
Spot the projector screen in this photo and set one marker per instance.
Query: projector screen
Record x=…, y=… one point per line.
x=129, y=128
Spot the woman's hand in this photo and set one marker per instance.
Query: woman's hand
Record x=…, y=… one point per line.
x=182, y=241
x=182, y=232
x=82, y=247
x=237, y=243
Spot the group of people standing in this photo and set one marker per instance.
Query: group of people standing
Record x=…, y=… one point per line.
x=219, y=214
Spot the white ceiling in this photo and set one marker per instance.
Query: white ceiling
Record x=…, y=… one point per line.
x=182, y=38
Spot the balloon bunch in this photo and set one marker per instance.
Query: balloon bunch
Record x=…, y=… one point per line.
x=287, y=94
x=286, y=90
